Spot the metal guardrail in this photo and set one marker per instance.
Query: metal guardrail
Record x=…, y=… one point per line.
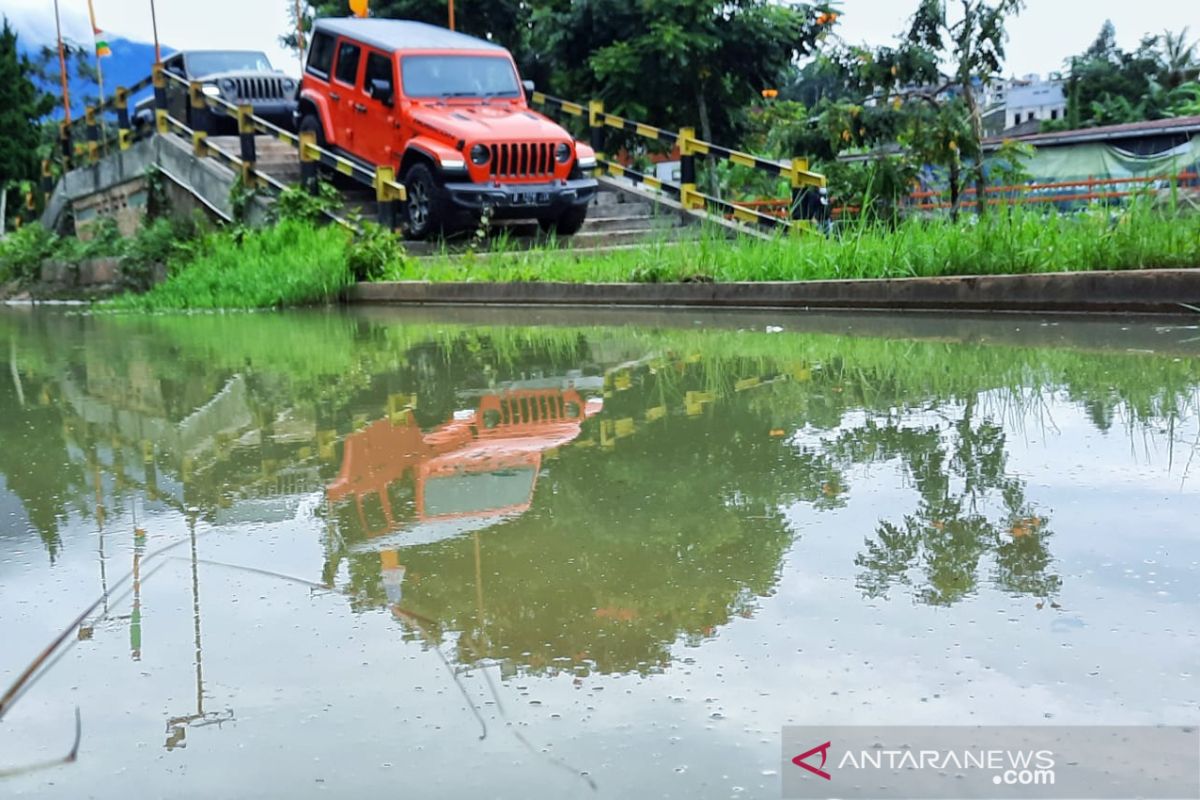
x=388, y=191
x=796, y=172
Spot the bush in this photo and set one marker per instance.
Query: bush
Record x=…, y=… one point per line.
x=375, y=253
x=23, y=251
x=161, y=241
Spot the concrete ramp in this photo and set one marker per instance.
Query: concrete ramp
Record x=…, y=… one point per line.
x=112, y=183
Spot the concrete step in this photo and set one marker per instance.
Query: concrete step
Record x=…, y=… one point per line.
x=632, y=223
x=620, y=210
x=520, y=238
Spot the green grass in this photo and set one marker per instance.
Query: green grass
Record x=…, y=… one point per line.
x=292, y=263
x=1010, y=241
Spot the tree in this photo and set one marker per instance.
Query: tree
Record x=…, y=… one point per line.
x=21, y=108
x=673, y=63
x=1179, y=63
x=974, y=43
x=1108, y=85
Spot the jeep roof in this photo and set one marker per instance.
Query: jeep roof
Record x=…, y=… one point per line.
x=401, y=34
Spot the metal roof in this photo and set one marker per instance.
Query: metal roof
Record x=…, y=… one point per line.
x=1129, y=130
x=401, y=34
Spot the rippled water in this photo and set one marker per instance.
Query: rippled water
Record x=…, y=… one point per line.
x=450, y=554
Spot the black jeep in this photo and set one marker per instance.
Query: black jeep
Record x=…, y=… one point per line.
x=235, y=76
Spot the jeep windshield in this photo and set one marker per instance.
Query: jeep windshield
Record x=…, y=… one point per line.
x=458, y=76
x=215, y=61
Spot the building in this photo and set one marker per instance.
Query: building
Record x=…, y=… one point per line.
x=1031, y=99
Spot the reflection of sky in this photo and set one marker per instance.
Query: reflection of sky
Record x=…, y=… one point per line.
x=329, y=702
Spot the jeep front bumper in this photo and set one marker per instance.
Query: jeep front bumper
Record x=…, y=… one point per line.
x=521, y=199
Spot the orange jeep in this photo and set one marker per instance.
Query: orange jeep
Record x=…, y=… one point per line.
x=449, y=113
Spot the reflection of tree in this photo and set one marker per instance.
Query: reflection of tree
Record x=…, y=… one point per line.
x=951, y=531
x=34, y=459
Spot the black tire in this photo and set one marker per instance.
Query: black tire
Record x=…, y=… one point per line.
x=425, y=211
x=311, y=123
x=567, y=223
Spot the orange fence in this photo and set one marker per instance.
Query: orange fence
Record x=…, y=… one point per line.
x=1065, y=192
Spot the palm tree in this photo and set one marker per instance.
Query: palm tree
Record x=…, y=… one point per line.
x=1179, y=62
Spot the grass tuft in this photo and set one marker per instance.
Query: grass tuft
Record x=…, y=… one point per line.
x=292, y=263
x=1010, y=241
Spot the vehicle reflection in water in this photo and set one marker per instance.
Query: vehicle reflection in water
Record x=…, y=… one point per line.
x=585, y=502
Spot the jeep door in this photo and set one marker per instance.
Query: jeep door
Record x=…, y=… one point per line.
x=344, y=93
x=376, y=111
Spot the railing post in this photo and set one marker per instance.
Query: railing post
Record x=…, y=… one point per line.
x=199, y=120
x=249, y=148
x=121, y=104
x=308, y=160
x=596, y=129
x=809, y=202
x=385, y=196
x=64, y=141
x=688, y=195
x=47, y=177
x=93, y=134
x=160, y=100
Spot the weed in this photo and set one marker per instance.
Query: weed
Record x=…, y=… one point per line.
x=297, y=203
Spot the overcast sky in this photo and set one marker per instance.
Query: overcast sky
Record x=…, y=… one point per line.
x=1047, y=32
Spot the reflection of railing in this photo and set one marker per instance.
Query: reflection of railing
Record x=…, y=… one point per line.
x=797, y=173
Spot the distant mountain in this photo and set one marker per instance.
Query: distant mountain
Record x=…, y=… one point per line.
x=130, y=62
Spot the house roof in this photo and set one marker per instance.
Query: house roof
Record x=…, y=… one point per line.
x=402, y=34
x=1129, y=130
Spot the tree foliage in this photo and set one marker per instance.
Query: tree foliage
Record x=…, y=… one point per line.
x=22, y=105
x=673, y=63
x=1107, y=85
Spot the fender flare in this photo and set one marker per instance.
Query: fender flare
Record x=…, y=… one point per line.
x=431, y=149
x=321, y=104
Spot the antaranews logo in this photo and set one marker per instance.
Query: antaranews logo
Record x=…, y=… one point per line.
x=998, y=762
x=823, y=749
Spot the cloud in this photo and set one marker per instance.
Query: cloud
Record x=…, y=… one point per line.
x=211, y=25
x=33, y=21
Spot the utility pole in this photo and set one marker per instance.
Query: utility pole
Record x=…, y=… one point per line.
x=62, y=67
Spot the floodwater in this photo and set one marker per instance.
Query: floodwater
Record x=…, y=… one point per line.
x=468, y=554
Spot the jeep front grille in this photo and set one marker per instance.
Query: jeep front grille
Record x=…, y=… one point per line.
x=259, y=88
x=522, y=160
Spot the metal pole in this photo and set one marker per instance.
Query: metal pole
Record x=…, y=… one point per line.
x=451, y=14
x=154, y=24
x=62, y=67
x=99, y=79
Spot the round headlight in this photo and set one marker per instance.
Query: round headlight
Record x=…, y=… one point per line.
x=479, y=155
x=288, y=84
x=563, y=152
x=227, y=84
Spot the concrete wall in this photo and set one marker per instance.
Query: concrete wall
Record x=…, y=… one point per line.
x=205, y=181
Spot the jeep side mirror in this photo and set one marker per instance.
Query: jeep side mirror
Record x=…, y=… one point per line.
x=528, y=86
x=381, y=90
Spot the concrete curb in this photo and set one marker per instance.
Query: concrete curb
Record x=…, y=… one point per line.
x=1132, y=291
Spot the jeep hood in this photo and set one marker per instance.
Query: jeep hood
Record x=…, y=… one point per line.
x=213, y=77
x=489, y=123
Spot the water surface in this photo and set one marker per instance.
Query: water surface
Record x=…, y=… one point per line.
x=466, y=554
